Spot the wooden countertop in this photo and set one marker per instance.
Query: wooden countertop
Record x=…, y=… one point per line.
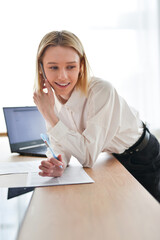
x=115, y=207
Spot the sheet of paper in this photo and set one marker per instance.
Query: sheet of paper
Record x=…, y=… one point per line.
x=19, y=167
x=72, y=175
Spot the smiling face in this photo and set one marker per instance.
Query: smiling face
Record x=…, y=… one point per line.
x=62, y=67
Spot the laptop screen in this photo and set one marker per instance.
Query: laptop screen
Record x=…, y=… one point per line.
x=24, y=124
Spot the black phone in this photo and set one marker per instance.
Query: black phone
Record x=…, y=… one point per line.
x=43, y=72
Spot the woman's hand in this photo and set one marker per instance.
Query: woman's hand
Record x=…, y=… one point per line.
x=45, y=104
x=51, y=167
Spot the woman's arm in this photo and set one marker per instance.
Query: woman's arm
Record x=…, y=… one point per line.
x=87, y=145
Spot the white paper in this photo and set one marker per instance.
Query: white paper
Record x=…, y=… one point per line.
x=19, y=167
x=72, y=175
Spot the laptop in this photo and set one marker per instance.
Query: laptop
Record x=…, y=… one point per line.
x=24, y=126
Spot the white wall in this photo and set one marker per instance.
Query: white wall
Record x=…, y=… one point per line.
x=120, y=39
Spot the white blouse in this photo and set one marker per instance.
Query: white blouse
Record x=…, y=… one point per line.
x=100, y=122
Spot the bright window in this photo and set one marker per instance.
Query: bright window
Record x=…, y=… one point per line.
x=120, y=39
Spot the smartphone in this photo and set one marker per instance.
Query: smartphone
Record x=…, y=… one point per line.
x=44, y=75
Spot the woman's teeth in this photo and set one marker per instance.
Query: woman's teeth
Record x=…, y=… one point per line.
x=62, y=84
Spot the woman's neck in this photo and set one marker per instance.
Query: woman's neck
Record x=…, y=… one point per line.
x=62, y=99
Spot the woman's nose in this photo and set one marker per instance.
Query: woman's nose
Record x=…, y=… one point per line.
x=62, y=74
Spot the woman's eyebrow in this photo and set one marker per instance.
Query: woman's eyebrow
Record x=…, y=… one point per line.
x=52, y=63
x=66, y=62
x=73, y=62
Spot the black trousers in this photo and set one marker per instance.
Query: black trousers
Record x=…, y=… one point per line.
x=144, y=165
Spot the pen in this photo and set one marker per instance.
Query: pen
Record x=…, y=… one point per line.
x=46, y=141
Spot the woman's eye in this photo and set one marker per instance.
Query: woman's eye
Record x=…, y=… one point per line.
x=70, y=67
x=54, y=68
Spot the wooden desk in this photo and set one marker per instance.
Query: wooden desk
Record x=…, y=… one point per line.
x=115, y=207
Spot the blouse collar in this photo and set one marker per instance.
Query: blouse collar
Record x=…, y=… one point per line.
x=74, y=103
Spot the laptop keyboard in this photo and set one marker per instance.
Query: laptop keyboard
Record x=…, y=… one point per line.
x=37, y=151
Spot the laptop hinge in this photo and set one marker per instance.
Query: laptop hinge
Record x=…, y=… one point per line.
x=33, y=146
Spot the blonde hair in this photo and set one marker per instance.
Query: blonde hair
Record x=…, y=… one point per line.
x=65, y=39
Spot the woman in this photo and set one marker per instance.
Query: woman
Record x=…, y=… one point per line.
x=85, y=116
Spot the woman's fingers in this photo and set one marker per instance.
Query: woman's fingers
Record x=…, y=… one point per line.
x=48, y=86
x=46, y=167
x=56, y=162
x=46, y=164
x=44, y=101
x=60, y=158
x=45, y=174
x=52, y=167
x=35, y=97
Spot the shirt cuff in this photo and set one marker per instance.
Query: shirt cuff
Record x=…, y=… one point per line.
x=58, y=131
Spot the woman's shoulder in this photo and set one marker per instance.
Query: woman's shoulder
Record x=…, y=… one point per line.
x=99, y=85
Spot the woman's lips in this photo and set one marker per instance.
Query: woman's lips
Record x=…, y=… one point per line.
x=62, y=85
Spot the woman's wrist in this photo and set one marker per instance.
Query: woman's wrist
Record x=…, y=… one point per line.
x=52, y=121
